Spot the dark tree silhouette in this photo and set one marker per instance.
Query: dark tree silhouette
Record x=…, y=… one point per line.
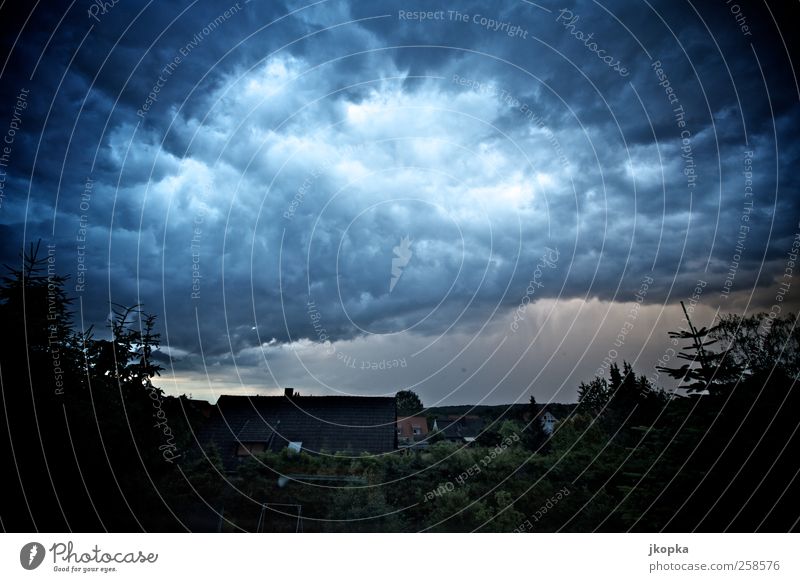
x=594, y=395
x=534, y=437
x=408, y=403
x=85, y=429
x=707, y=370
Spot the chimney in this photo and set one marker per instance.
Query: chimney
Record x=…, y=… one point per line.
x=288, y=392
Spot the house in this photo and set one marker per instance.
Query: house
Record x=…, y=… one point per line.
x=459, y=429
x=548, y=422
x=549, y=415
x=412, y=432
x=242, y=426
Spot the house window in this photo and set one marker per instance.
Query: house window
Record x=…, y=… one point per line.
x=417, y=430
x=247, y=449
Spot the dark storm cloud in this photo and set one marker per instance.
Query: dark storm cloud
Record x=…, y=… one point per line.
x=286, y=163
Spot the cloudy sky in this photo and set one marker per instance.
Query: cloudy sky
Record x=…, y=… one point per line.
x=478, y=201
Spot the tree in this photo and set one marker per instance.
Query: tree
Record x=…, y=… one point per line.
x=710, y=371
x=37, y=326
x=614, y=377
x=626, y=392
x=127, y=357
x=759, y=342
x=408, y=403
x=84, y=429
x=534, y=437
x=594, y=396
x=38, y=372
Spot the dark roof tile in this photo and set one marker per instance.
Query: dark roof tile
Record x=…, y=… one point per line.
x=330, y=424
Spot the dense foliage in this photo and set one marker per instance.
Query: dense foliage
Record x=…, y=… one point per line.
x=94, y=445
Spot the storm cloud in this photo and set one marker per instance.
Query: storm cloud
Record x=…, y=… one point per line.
x=363, y=197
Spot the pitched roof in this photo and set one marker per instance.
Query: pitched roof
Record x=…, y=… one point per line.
x=254, y=431
x=460, y=427
x=406, y=425
x=330, y=424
